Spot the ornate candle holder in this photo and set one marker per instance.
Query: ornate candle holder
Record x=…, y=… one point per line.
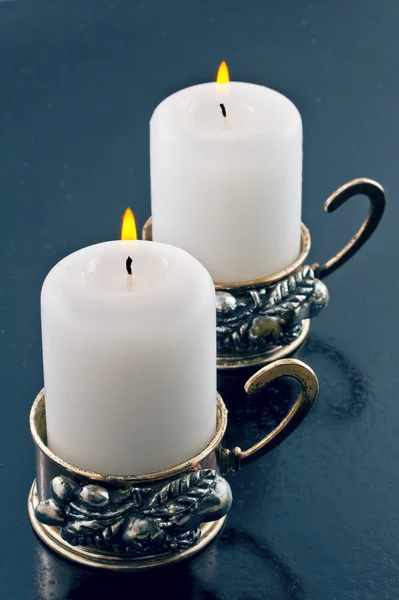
x=267, y=319
x=125, y=523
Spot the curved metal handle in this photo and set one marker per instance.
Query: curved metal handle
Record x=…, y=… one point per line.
x=375, y=193
x=302, y=406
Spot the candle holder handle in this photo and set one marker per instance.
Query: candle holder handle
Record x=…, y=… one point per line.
x=237, y=458
x=376, y=195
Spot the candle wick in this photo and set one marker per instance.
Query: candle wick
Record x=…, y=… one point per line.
x=224, y=113
x=129, y=265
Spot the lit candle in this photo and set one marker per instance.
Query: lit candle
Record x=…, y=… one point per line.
x=226, y=177
x=129, y=355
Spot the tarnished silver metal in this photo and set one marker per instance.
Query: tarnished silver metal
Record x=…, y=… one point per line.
x=251, y=321
x=136, y=520
x=133, y=522
x=266, y=319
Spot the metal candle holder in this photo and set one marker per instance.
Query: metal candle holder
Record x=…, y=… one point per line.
x=266, y=319
x=125, y=523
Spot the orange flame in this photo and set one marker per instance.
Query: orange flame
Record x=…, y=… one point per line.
x=129, y=230
x=223, y=73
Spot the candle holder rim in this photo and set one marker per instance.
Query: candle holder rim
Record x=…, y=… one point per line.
x=37, y=422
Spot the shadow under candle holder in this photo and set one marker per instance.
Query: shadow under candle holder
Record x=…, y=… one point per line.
x=349, y=404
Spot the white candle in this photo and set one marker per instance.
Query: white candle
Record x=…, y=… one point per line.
x=129, y=360
x=228, y=189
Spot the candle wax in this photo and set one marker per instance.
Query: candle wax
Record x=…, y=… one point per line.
x=129, y=360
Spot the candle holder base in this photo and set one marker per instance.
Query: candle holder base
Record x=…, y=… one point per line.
x=245, y=360
x=128, y=523
x=266, y=319
x=51, y=536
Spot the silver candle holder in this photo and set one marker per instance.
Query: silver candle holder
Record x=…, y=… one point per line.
x=128, y=523
x=267, y=319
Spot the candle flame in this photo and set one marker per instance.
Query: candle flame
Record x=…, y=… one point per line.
x=223, y=73
x=129, y=230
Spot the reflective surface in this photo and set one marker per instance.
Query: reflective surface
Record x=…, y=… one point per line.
x=318, y=517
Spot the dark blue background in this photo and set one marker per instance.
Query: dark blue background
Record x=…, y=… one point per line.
x=317, y=518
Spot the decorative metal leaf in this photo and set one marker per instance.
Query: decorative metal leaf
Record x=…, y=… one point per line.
x=179, y=543
x=90, y=533
x=132, y=495
x=82, y=527
x=181, y=494
x=291, y=293
x=110, y=532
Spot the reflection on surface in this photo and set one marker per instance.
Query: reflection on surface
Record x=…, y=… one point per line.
x=345, y=388
x=58, y=579
x=197, y=579
x=289, y=581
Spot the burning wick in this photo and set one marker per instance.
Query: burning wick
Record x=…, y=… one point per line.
x=224, y=113
x=129, y=265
